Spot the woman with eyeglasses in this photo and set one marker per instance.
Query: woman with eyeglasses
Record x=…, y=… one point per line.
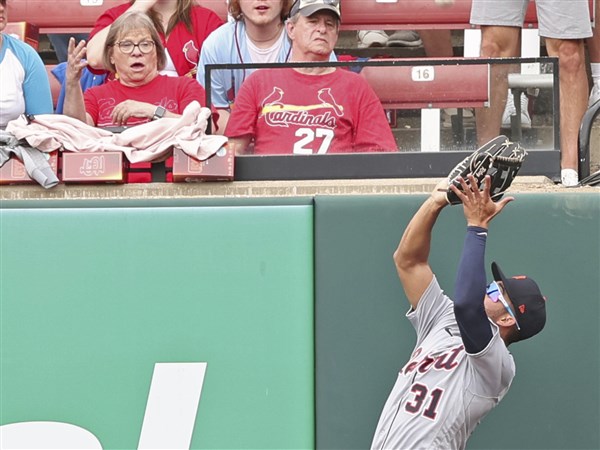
x=25, y=86
x=182, y=26
x=134, y=53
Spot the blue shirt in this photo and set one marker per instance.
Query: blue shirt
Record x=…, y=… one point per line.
x=228, y=45
x=25, y=85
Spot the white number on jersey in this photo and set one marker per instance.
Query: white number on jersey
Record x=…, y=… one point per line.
x=419, y=398
x=304, y=145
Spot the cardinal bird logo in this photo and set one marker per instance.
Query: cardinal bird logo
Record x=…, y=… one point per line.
x=329, y=102
x=191, y=53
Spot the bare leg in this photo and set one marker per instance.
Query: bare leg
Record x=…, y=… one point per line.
x=496, y=42
x=573, y=95
x=593, y=44
x=437, y=43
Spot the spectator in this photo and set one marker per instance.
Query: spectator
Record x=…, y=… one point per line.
x=133, y=51
x=309, y=110
x=60, y=43
x=25, y=85
x=182, y=26
x=594, y=51
x=256, y=34
x=564, y=30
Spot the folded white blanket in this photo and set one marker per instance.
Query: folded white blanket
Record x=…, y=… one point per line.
x=142, y=143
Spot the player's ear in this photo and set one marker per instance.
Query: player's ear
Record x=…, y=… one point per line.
x=506, y=321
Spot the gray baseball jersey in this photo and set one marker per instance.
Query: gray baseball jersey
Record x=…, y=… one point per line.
x=442, y=393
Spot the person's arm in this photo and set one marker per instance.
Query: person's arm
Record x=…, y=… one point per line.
x=222, y=121
x=214, y=51
x=469, y=309
x=240, y=144
x=74, y=105
x=241, y=126
x=95, y=47
x=36, y=86
x=411, y=256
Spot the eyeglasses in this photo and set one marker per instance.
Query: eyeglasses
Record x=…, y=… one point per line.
x=128, y=46
x=494, y=293
x=299, y=4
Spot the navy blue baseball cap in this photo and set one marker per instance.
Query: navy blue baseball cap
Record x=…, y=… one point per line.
x=528, y=302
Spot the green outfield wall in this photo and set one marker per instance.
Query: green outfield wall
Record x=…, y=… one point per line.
x=291, y=308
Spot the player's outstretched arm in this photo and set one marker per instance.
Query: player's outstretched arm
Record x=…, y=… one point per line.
x=411, y=256
x=469, y=310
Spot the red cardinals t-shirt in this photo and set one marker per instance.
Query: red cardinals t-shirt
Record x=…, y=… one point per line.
x=172, y=93
x=288, y=112
x=183, y=46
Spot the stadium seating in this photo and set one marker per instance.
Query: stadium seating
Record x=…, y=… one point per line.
x=412, y=87
x=69, y=16
x=53, y=16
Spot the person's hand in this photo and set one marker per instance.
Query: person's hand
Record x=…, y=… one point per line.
x=478, y=207
x=75, y=61
x=131, y=108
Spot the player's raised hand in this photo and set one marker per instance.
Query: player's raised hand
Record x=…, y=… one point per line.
x=478, y=207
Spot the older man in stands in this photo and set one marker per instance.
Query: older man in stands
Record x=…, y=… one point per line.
x=310, y=110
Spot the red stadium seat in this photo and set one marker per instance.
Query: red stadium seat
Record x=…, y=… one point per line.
x=54, y=84
x=75, y=16
x=70, y=16
x=415, y=14
x=412, y=87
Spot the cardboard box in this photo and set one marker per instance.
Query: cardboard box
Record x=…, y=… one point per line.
x=96, y=167
x=13, y=171
x=218, y=167
x=24, y=31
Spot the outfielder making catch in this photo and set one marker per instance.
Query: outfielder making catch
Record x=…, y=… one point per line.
x=461, y=367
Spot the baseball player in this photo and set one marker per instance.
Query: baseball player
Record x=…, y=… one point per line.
x=460, y=367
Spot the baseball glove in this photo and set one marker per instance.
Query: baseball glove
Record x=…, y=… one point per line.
x=499, y=158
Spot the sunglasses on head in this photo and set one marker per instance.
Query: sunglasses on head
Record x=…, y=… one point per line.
x=494, y=292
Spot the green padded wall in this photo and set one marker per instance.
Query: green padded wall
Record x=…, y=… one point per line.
x=92, y=298
x=363, y=338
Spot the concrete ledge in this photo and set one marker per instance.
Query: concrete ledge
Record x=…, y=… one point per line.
x=254, y=189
